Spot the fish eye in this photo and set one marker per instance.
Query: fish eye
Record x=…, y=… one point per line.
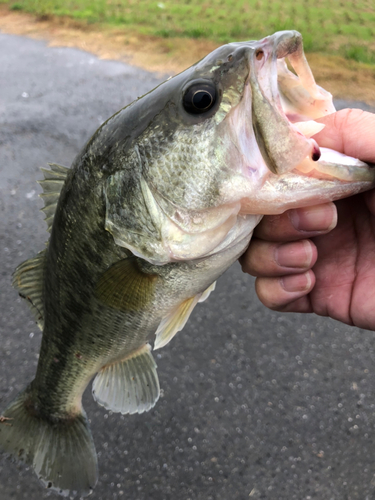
x=199, y=98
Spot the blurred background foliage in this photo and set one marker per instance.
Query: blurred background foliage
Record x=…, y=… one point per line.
x=340, y=27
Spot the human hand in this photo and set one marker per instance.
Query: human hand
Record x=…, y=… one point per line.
x=303, y=261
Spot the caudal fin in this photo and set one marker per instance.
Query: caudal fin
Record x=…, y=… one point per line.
x=61, y=451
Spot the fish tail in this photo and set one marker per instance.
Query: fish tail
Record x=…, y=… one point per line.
x=61, y=451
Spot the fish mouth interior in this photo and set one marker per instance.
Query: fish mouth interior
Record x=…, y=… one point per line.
x=300, y=101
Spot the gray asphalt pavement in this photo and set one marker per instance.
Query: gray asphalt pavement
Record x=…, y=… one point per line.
x=255, y=404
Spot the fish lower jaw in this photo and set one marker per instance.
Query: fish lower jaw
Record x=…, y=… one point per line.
x=277, y=199
x=335, y=165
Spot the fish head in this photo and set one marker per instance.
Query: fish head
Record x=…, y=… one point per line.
x=228, y=138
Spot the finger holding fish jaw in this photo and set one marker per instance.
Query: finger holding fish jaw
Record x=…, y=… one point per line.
x=283, y=272
x=287, y=293
x=286, y=276
x=281, y=256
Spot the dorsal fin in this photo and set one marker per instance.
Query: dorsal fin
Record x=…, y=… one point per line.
x=28, y=281
x=52, y=184
x=28, y=276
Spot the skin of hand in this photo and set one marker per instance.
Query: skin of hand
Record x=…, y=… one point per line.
x=321, y=259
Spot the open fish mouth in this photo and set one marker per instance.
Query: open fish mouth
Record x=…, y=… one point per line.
x=284, y=108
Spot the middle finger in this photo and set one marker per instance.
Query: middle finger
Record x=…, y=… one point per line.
x=265, y=258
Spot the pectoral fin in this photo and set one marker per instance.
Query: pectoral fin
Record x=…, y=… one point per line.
x=126, y=287
x=128, y=386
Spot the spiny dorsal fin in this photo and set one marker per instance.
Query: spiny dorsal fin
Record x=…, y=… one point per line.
x=28, y=281
x=176, y=319
x=130, y=385
x=52, y=184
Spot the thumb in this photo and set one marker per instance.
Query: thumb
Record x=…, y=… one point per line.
x=349, y=131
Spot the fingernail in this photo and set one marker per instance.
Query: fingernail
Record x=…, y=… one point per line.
x=296, y=282
x=320, y=218
x=295, y=255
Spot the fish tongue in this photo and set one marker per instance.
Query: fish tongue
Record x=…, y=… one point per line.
x=309, y=128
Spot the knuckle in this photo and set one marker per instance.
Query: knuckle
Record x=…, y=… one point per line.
x=245, y=263
x=268, y=226
x=253, y=259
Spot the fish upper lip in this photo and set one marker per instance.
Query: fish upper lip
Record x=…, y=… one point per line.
x=272, y=52
x=281, y=145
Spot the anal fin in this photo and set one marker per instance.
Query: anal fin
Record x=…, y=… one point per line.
x=128, y=386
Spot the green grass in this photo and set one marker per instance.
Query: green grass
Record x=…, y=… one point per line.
x=359, y=53
x=331, y=26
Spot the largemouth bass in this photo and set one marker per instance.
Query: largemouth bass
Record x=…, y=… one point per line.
x=160, y=202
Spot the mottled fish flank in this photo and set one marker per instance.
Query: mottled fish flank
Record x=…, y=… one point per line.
x=159, y=203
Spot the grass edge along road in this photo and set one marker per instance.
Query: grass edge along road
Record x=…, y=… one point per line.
x=346, y=79
x=344, y=28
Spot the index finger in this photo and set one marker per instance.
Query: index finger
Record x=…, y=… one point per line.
x=298, y=223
